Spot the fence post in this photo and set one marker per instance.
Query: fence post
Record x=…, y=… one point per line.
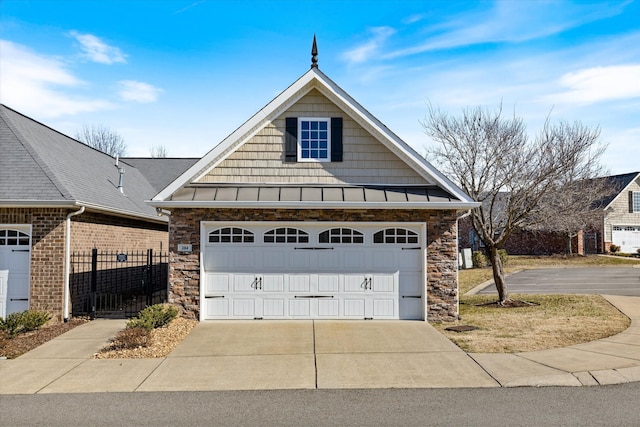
x=94, y=281
x=149, y=284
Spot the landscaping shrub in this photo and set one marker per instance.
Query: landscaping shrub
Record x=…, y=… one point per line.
x=24, y=321
x=614, y=248
x=154, y=316
x=478, y=259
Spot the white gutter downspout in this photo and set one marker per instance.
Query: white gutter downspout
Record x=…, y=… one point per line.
x=67, y=261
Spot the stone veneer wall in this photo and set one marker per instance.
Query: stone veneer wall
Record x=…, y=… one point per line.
x=442, y=258
x=94, y=230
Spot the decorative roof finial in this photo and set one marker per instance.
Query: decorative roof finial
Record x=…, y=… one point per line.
x=314, y=53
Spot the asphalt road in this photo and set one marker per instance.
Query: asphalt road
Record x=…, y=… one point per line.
x=604, y=280
x=547, y=406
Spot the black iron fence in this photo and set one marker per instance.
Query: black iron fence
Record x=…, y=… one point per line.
x=117, y=284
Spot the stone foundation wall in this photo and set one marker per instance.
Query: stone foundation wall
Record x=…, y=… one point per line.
x=442, y=258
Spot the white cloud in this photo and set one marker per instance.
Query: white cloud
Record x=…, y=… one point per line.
x=368, y=49
x=131, y=90
x=598, y=84
x=35, y=84
x=97, y=50
x=508, y=21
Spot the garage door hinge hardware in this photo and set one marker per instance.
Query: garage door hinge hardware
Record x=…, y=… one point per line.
x=313, y=296
x=19, y=250
x=314, y=249
x=411, y=296
x=215, y=296
x=412, y=249
x=257, y=318
x=19, y=299
x=368, y=318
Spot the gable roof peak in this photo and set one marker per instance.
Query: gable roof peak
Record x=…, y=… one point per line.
x=314, y=53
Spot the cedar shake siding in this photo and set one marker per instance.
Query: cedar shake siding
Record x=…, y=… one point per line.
x=264, y=158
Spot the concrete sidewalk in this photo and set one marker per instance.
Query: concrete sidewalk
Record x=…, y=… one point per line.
x=258, y=355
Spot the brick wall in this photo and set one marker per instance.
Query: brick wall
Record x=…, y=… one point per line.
x=93, y=230
x=442, y=259
x=48, y=239
x=527, y=242
x=47, y=255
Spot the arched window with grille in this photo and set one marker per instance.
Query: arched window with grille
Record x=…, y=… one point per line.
x=341, y=235
x=231, y=235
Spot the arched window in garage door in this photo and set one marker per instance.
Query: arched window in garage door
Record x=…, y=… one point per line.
x=395, y=235
x=13, y=238
x=286, y=235
x=341, y=235
x=231, y=235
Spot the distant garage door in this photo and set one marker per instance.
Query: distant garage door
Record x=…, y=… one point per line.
x=15, y=258
x=318, y=271
x=627, y=237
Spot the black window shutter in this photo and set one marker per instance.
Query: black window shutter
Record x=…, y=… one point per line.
x=336, y=139
x=291, y=140
x=630, y=201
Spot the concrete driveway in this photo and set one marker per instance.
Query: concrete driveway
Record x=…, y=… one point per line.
x=602, y=280
x=315, y=354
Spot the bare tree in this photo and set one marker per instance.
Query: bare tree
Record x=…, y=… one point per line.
x=103, y=139
x=158, y=151
x=495, y=163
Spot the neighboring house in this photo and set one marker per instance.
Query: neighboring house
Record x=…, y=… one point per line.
x=58, y=196
x=313, y=209
x=620, y=226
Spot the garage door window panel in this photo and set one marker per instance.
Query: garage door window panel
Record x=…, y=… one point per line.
x=395, y=236
x=13, y=238
x=286, y=235
x=231, y=235
x=341, y=235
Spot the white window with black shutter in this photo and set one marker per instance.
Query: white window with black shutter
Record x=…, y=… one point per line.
x=634, y=201
x=313, y=139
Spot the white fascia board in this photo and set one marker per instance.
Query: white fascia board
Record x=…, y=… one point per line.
x=625, y=189
x=391, y=140
x=238, y=137
x=316, y=205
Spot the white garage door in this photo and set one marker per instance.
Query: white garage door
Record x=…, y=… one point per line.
x=627, y=237
x=324, y=271
x=15, y=250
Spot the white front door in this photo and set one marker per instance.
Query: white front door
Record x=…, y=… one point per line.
x=15, y=257
x=318, y=271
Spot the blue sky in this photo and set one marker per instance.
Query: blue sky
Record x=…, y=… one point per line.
x=184, y=74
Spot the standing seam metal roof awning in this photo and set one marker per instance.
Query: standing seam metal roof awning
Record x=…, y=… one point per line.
x=287, y=193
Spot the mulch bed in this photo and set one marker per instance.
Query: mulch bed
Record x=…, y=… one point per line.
x=20, y=344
